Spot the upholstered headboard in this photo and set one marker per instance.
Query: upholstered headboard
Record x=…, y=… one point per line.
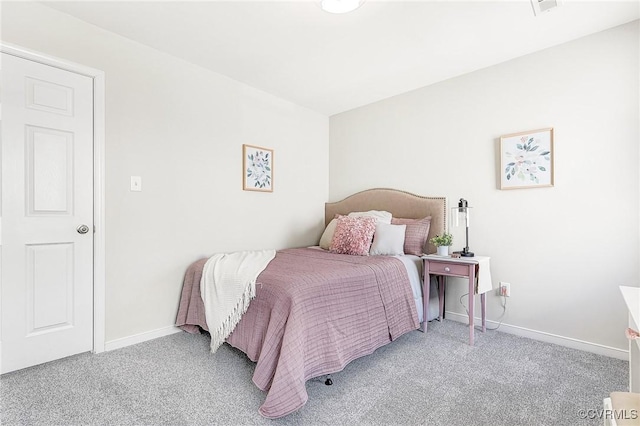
x=398, y=203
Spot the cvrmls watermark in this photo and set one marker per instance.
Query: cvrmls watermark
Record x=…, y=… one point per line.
x=602, y=414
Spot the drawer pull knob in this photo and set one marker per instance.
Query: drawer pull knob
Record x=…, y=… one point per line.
x=446, y=269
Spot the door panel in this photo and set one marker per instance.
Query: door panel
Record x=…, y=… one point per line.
x=49, y=287
x=47, y=192
x=48, y=96
x=49, y=171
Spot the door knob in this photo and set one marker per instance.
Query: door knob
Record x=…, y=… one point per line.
x=82, y=229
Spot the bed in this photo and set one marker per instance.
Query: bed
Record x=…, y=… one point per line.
x=316, y=311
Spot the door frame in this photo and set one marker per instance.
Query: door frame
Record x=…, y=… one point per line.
x=98, y=178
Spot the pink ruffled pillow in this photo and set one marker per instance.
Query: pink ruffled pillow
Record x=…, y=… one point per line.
x=353, y=235
x=415, y=237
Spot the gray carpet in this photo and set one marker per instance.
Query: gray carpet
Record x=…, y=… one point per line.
x=435, y=379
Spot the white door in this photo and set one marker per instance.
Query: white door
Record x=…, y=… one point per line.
x=47, y=195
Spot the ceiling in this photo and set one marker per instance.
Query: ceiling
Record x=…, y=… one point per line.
x=334, y=63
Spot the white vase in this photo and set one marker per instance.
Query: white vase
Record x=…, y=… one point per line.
x=443, y=250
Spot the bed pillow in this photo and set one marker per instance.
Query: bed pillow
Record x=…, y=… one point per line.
x=353, y=235
x=388, y=240
x=327, y=235
x=415, y=237
x=380, y=215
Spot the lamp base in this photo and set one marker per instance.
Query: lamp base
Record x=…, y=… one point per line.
x=464, y=253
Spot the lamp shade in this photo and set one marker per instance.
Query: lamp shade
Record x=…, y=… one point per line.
x=462, y=213
x=460, y=217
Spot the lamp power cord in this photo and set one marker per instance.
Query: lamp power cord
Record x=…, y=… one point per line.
x=501, y=317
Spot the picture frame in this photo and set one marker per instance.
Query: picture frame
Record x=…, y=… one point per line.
x=527, y=159
x=257, y=168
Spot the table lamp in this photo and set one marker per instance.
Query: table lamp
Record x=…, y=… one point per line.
x=456, y=213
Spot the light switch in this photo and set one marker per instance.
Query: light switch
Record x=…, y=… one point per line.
x=136, y=183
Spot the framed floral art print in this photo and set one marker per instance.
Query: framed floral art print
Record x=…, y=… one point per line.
x=526, y=159
x=257, y=168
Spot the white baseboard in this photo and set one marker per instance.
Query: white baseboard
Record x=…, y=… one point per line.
x=542, y=336
x=139, y=338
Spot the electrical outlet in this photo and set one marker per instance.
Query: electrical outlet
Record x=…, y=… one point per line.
x=505, y=289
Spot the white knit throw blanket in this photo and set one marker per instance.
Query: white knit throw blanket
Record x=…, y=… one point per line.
x=227, y=286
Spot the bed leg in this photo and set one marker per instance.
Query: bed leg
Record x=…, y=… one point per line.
x=328, y=382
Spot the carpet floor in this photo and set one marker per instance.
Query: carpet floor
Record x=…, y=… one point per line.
x=433, y=379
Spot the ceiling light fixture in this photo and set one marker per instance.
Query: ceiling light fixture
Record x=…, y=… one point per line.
x=541, y=6
x=340, y=6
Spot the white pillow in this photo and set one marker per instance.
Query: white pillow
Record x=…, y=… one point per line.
x=327, y=235
x=388, y=240
x=380, y=215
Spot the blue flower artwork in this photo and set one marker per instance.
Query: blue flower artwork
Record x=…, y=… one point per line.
x=258, y=168
x=526, y=159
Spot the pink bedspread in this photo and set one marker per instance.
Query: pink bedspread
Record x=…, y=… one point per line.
x=314, y=312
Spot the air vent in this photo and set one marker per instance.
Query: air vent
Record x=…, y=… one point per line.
x=542, y=6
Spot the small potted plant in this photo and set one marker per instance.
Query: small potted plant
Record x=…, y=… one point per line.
x=442, y=243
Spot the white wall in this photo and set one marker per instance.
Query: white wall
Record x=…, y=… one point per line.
x=181, y=128
x=565, y=250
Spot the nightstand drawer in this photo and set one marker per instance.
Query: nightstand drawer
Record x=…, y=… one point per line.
x=445, y=268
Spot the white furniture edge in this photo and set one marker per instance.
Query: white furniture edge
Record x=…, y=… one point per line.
x=542, y=336
x=608, y=408
x=474, y=259
x=98, y=177
x=141, y=337
x=631, y=296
